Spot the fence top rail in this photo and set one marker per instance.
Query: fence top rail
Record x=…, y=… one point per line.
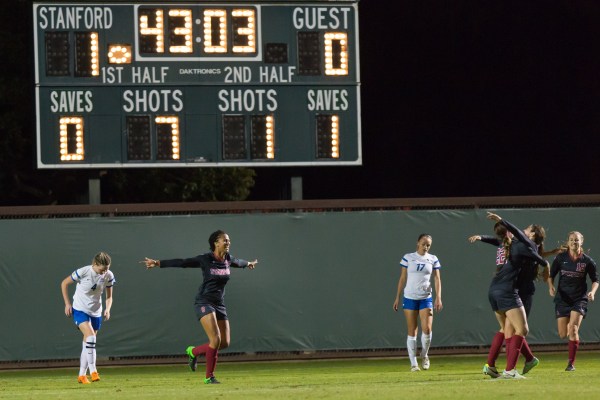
x=51, y=211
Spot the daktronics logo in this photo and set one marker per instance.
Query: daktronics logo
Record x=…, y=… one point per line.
x=200, y=71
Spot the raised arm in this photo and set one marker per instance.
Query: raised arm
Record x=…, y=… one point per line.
x=520, y=235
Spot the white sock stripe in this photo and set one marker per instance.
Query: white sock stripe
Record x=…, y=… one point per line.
x=90, y=342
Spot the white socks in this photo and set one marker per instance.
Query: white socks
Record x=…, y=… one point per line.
x=83, y=361
x=90, y=347
x=425, y=343
x=411, y=346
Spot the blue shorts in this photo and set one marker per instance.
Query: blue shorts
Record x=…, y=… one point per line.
x=410, y=304
x=80, y=316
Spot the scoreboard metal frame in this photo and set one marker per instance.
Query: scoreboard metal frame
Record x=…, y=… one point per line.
x=193, y=84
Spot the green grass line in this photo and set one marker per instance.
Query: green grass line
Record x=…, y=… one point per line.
x=450, y=377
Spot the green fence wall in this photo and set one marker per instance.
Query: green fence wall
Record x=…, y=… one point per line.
x=324, y=280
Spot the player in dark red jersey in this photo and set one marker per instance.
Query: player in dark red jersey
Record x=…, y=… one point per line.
x=209, y=304
x=522, y=253
x=526, y=290
x=572, y=296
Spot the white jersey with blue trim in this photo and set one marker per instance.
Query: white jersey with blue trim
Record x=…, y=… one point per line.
x=88, y=293
x=418, y=274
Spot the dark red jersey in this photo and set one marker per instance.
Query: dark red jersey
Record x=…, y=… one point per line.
x=572, y=273
x=216, y=274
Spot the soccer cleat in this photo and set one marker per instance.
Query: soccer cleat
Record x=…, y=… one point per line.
x=211, y=380
x=95, y=377
x=193, y=360
x=570, y=367
x=529, y=365
x=415, y=368
x=83, y=379
x=512, y=374
x=491, y=371
x=425, y=363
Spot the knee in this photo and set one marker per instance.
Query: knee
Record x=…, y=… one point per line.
x=224, y=344
x=524, y=331
x=215, y=342
x=573, y=331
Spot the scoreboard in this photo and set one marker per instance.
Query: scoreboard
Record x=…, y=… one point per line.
x=188, y=84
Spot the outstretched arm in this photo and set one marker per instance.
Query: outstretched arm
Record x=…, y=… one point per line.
x=474, y=238
x=150, y=262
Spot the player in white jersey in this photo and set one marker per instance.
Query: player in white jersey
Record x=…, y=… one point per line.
x=86, y=310
x=417, y=301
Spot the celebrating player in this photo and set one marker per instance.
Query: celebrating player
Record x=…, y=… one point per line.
x=571, y=297
x=525, y=288
x=209, y=305
x=417, y=301
x=86, y=310
x=503, y=294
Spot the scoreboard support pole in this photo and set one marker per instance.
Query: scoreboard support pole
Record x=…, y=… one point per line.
x=296, y=187
x=94, y=191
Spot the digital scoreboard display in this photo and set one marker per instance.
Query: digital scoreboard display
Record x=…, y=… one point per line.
x=177, y=84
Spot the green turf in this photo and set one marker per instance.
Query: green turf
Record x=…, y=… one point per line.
x=450, y=377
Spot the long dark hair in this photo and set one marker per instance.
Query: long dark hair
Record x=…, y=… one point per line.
x=540, y=236
x=502, y=234
x=214, y=237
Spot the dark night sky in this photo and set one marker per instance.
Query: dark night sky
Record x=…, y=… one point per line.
x=469, y=98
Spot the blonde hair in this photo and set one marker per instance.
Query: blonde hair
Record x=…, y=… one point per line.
x=576, y=233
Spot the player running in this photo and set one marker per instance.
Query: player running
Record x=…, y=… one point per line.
x=571, y=297
x=209, y=305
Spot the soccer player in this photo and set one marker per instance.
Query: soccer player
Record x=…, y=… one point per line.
x=522, y=253
x=525, y=288
x=417, y=300
x=209, y=304
x=572, y=296
x=86, y=310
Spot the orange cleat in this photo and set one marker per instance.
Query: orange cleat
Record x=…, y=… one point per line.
x=95, y=377
x=83, y=379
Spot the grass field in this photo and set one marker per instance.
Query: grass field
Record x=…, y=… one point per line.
x=450, y=377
